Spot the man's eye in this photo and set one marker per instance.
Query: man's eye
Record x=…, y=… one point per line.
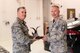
x=23, y=12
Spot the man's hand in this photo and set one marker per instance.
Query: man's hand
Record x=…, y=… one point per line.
x=34, y=39
x=44, y=38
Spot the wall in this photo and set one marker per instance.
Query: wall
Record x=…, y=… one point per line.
x=46, y=10
x=68, y=4
x=7, y=13
x=34, y=15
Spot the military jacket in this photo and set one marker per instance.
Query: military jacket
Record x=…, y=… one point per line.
x=20, y=37
x=57, y=36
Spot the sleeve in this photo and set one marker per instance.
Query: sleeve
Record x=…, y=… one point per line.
x=19, y=36
x=59, y=34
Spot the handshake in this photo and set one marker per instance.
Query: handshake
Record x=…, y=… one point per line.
x=36, y=36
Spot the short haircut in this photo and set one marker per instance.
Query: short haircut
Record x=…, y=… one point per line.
x=55, y=6
x=20, y=8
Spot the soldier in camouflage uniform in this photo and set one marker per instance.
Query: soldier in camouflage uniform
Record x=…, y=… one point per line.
x=20, y=34
x=57, y=32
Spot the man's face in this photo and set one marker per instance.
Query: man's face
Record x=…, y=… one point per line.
x=21, y=14
x=55, y=12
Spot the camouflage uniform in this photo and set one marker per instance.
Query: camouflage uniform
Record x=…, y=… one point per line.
x=57, y=36
x=20, y=37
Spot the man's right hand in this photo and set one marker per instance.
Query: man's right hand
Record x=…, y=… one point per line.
x=34, y=39
x=44, y=38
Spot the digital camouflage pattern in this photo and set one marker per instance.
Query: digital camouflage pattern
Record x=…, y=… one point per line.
x=20, y=37
x=57, y=36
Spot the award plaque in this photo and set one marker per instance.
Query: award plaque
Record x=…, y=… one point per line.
x=35, y=34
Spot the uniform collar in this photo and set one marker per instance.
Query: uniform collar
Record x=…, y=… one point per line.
x=57, y=19
x=21, y=21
